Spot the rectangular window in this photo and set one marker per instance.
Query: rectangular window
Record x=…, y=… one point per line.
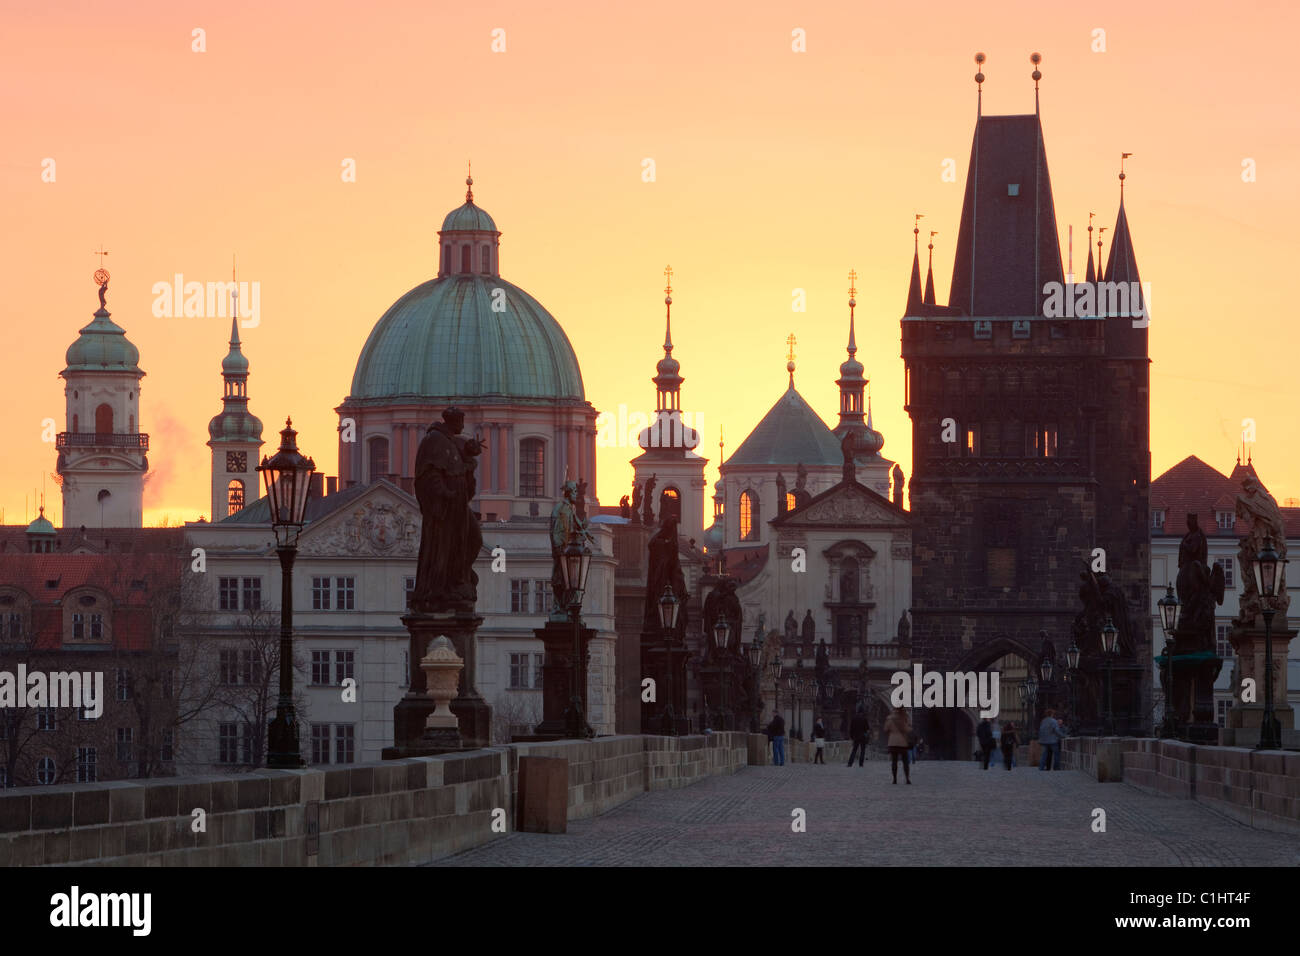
x=972, y=441
x=228, y=743
x=87, y=765
x=78, y=627
x=229, y=666
x=542, y=596
x=345, y=743
x=518, y=596
x=1040, y=441
x=252, y=594
x=228, y=594
x=1228, y=572
x=537, y=670
x=167, y=753
x=518, y=671
x=96, y=627
x=320, y=743
x=344, y=592
x=320, y=594
x=125, y=740
x=1222, y=646
x=47, y=719
x=246, y=741
x=1226, y=520
x=123, y=684
x=1158, y=519
x=250, y=667
x=344, y=665
x=1221, y=708
x=320, y=667
x=410, y=591
x=532, y=467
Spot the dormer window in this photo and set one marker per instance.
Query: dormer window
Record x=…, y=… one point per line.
x=1225, y=520
x=1157, y=519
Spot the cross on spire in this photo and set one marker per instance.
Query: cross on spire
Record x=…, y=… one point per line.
x=853, y=282
x=668, y=276
x=792, y=342
x=101, y=252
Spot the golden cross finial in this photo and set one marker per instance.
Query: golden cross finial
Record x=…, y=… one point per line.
x=933, y=233
x=668, y=278
x=916, y=226
x=791, y=341
x=853, y=282
x=101, y=252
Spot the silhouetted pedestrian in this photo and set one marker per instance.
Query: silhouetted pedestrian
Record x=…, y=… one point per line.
x=819, y=742
x=1009, y=742
x=985, y=734
x=1050, y=734
x=776, y=734
x=860, y=732
x=898, y=738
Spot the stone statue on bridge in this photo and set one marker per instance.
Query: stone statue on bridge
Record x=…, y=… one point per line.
x=1259, y=508
x=450, y=538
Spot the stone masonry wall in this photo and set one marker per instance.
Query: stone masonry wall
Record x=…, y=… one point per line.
x=395, y=812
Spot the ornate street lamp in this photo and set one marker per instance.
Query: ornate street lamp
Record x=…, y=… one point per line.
x=1072, y=675
x=1169, y=607
x=1109, y=648
x=1266, y=580
x=288, y=485
x=754, y=653
x=575, y=562
x=792, y=686
x=776, y=680
x=668, y=608
x=1045, y=670
x=721, y=631
x=1031, y=698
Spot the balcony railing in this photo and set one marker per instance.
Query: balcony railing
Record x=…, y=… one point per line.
x=101, y=440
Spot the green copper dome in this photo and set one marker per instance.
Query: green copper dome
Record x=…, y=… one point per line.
x=41, y=524
x=468, y=216
x=443, y=340
x=102, y=346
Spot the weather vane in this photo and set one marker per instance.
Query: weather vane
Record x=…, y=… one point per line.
x=853, y=282
x=101, y=275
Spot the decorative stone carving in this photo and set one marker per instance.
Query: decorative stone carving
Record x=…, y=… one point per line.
x=441, y=666
x=374, y=528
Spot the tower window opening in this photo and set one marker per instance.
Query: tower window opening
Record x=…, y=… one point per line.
x=234, y=496
x=446, y=260
x=670, y=505
x=465, y=258
x=487, y=259
x=378, y=449
x=532, y=468
x=104, y=419
x=748, y=516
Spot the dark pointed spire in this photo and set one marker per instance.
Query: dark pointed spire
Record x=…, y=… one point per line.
x=668, y=379
x=914, y=296
x=929, y=272
x=1100, y=230
x=469, y=182
x=1092, y=271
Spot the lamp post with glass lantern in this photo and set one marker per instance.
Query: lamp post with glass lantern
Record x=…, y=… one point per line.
x=721, y=631
x=668, y=608
x=288, y=485
x=575, y=562
x=1169, y=607
x=1072, y=676
x=792, y=687
x=1109, y=648
x=754, y=654
x=1266, y=562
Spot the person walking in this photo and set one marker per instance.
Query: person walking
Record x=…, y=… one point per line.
x=1050, y=734
x=776, y=734
x=860, y=732
x=985, y=734
x=819, y=742
x=898, y=732
x=1009, y=742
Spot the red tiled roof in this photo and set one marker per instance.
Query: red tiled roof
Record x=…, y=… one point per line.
x=1192, y=486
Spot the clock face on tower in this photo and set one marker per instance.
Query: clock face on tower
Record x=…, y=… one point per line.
x=237, y=461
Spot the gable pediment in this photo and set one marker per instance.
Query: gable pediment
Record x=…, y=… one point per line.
x=384, y=522
x=846, y=505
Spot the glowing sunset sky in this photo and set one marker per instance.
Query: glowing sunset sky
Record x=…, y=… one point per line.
x=775, y=170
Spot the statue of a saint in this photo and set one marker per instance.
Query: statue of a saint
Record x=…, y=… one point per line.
x=566, y=523
x=624, y=509
x=809, y=629
x=791, y=629
x=849, y=448
x=450, y=538
x=664, y=568
x=1258, y=507
x=780, y=494
x=904, y=628
x=637, y=494
x=800, y=478
x=649, y=516
x=760, y=629
x=1200, y=587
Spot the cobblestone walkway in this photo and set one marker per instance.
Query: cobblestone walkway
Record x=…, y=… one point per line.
x=954, y=814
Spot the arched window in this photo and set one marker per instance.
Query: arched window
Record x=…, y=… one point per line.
x=378, y=450
x=234, y=496
x=670, y=505
x=487, y=259
x=464, y=258
x=446, y=260
x=104, y=419
x=748, y=516
x=849, y=581
x=532, y=467
x=790, y=502
x=45, y=771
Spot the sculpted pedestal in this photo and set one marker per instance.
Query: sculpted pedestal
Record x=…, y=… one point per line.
x=557, y=678
x=1245, y=718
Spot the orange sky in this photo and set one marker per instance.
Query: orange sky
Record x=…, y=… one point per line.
x=775, y=170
